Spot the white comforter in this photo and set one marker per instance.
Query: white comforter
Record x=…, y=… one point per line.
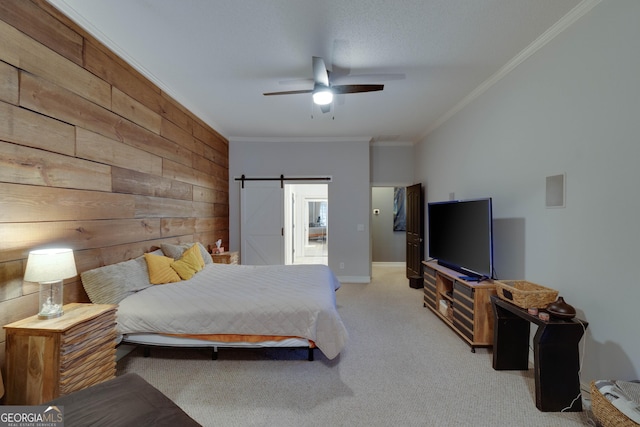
x=292, y=300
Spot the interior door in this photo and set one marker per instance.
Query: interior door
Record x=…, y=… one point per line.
x=262, y=223
x=415, y=235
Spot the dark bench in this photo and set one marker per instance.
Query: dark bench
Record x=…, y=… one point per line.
x=127, y=400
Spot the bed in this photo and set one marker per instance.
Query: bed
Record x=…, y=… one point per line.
x=222, y=305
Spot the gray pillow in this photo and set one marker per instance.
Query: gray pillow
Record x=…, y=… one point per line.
x=176, y=251
x=113, y=283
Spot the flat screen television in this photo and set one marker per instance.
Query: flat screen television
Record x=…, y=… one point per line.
x=461, y=236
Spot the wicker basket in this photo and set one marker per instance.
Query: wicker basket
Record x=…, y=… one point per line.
x=525, y=294
x=607, y=414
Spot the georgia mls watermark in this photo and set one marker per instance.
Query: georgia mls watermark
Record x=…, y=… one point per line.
x=31, y=416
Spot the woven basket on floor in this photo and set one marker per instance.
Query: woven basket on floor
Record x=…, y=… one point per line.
x=525, y=294
x=607, y=414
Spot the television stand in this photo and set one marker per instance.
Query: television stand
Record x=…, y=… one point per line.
x=462, y=304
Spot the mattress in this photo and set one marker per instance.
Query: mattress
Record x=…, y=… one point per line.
x=292, y=301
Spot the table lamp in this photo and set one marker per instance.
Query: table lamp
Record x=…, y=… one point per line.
x=50, y=267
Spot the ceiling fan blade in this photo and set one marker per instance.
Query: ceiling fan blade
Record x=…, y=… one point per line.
x=300, y=82
x=337, y=90
x=354, y=78
x=320, y=74
x=288, y=92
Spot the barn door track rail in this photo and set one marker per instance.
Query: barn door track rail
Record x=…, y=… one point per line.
x=282, y=179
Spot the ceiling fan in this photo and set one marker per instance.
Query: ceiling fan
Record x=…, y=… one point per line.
x=324, y=89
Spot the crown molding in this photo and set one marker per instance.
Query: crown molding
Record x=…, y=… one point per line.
x=392, y=144
x=319, y=139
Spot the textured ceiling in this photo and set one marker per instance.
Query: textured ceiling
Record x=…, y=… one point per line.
x=217, y=57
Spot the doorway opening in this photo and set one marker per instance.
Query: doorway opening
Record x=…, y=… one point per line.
x=306, y=224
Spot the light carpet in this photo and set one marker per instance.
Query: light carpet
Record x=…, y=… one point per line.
x=402, y=366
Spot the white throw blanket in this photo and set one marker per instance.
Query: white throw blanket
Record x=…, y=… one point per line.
x=292, y=300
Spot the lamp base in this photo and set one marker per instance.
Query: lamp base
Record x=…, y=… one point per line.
x=50, y=315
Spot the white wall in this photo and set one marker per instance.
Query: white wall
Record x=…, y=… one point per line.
x=574, y=108
x=345, y=160
x=391, y=166
x=387, y=245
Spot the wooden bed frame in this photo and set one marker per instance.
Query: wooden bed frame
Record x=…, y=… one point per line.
x=148, y=341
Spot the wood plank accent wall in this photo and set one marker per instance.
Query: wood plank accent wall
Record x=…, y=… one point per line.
x=93, y=156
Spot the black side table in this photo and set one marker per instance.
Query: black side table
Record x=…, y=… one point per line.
x=555, y=350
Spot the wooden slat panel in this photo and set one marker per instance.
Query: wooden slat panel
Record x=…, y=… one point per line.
x=16, y=309
x=59, y=16
x=181, y=137
x=25, y=165
x=35, y=22
x=177, y=226
x=8, y=83
x=19, y=203
x=99, y=257
x=11, y=280
x=210, y=137
x=220, y=173
x=53, y=100
x=139, y=137
x=27, y=54
x=135, y=111
x=22, y=237
x=206, y=225
x=217, y=157
x=113, y=70
x=93, y=146
x=204, y=165
x=220, y=210
x=74, y=292
x=172, y=111
x=204, y=210
x=128, y=181
x=222, y=197
x=27, y=128
x=147, y=206
x=46, y=98
x=210, y=195
x=207, y=195
x=183, y=173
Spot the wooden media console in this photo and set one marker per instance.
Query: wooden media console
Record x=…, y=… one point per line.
x=463, y=305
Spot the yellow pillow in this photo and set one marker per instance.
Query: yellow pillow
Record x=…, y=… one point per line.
x=160, y=270
x=196, y=249
x=189, y=264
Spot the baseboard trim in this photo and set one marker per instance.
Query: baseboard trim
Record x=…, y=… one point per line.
x=389, y=264
x=354, y=279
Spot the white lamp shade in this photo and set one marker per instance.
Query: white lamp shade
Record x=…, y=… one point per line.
x=48, y=265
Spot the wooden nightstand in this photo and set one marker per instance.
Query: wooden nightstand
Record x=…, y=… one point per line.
x=225, y=258
x=49, y=358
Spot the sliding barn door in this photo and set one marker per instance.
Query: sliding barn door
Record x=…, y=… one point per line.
x=262, y=223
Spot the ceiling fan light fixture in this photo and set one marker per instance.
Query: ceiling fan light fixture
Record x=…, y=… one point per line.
x=322, y=96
